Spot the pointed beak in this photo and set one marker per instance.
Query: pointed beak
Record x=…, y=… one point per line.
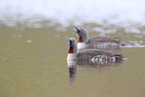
x=70, y=43
x=76, y=29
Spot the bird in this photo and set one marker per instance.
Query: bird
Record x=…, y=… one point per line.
x=90, y=54
x=84, y=42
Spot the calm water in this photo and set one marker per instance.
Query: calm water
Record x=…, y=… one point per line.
x=33, y=64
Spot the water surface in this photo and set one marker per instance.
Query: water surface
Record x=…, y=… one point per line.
x=33, y=64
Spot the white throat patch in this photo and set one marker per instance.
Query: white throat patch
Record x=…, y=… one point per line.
x=71, y=57
x=81, y=45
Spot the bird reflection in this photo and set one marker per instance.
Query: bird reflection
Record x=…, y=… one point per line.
x=73, y=67
x=72, y=71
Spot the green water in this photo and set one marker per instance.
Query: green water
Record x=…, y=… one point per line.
x=33, y=64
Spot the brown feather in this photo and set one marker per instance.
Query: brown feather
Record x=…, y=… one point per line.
x=71, y=50
x=80, y=39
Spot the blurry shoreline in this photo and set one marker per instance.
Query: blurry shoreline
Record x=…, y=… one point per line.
x=133, y=34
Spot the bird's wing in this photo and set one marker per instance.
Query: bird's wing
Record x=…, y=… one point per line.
x=104, y=39
x=90, y=53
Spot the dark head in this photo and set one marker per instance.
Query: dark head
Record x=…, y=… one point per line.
x=72, y=45
x=83, y=34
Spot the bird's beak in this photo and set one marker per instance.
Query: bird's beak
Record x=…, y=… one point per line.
x=76, y=29
x=71, y=44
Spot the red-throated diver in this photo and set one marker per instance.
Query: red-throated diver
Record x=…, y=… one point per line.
x=97, y=41
x=90, y=54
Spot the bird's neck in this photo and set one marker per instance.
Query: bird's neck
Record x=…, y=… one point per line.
x=71, y=56
x=72, y=52
x=80, y=39
x=81, y=45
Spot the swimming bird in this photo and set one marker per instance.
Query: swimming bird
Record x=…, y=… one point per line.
x=90, y=54
x=84, y=42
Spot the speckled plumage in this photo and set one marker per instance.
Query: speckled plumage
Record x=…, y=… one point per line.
x=103, y=39
x=92, y=53
x=89, y=54
x=97, y=41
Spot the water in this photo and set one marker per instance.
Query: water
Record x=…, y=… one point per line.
x=33, y=48
x=33, y=63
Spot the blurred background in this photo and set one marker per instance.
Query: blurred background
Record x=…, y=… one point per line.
x=33, y=47
x=119, y=12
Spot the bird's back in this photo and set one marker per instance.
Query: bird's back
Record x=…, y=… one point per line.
x=103, y=39
x=95, y=53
